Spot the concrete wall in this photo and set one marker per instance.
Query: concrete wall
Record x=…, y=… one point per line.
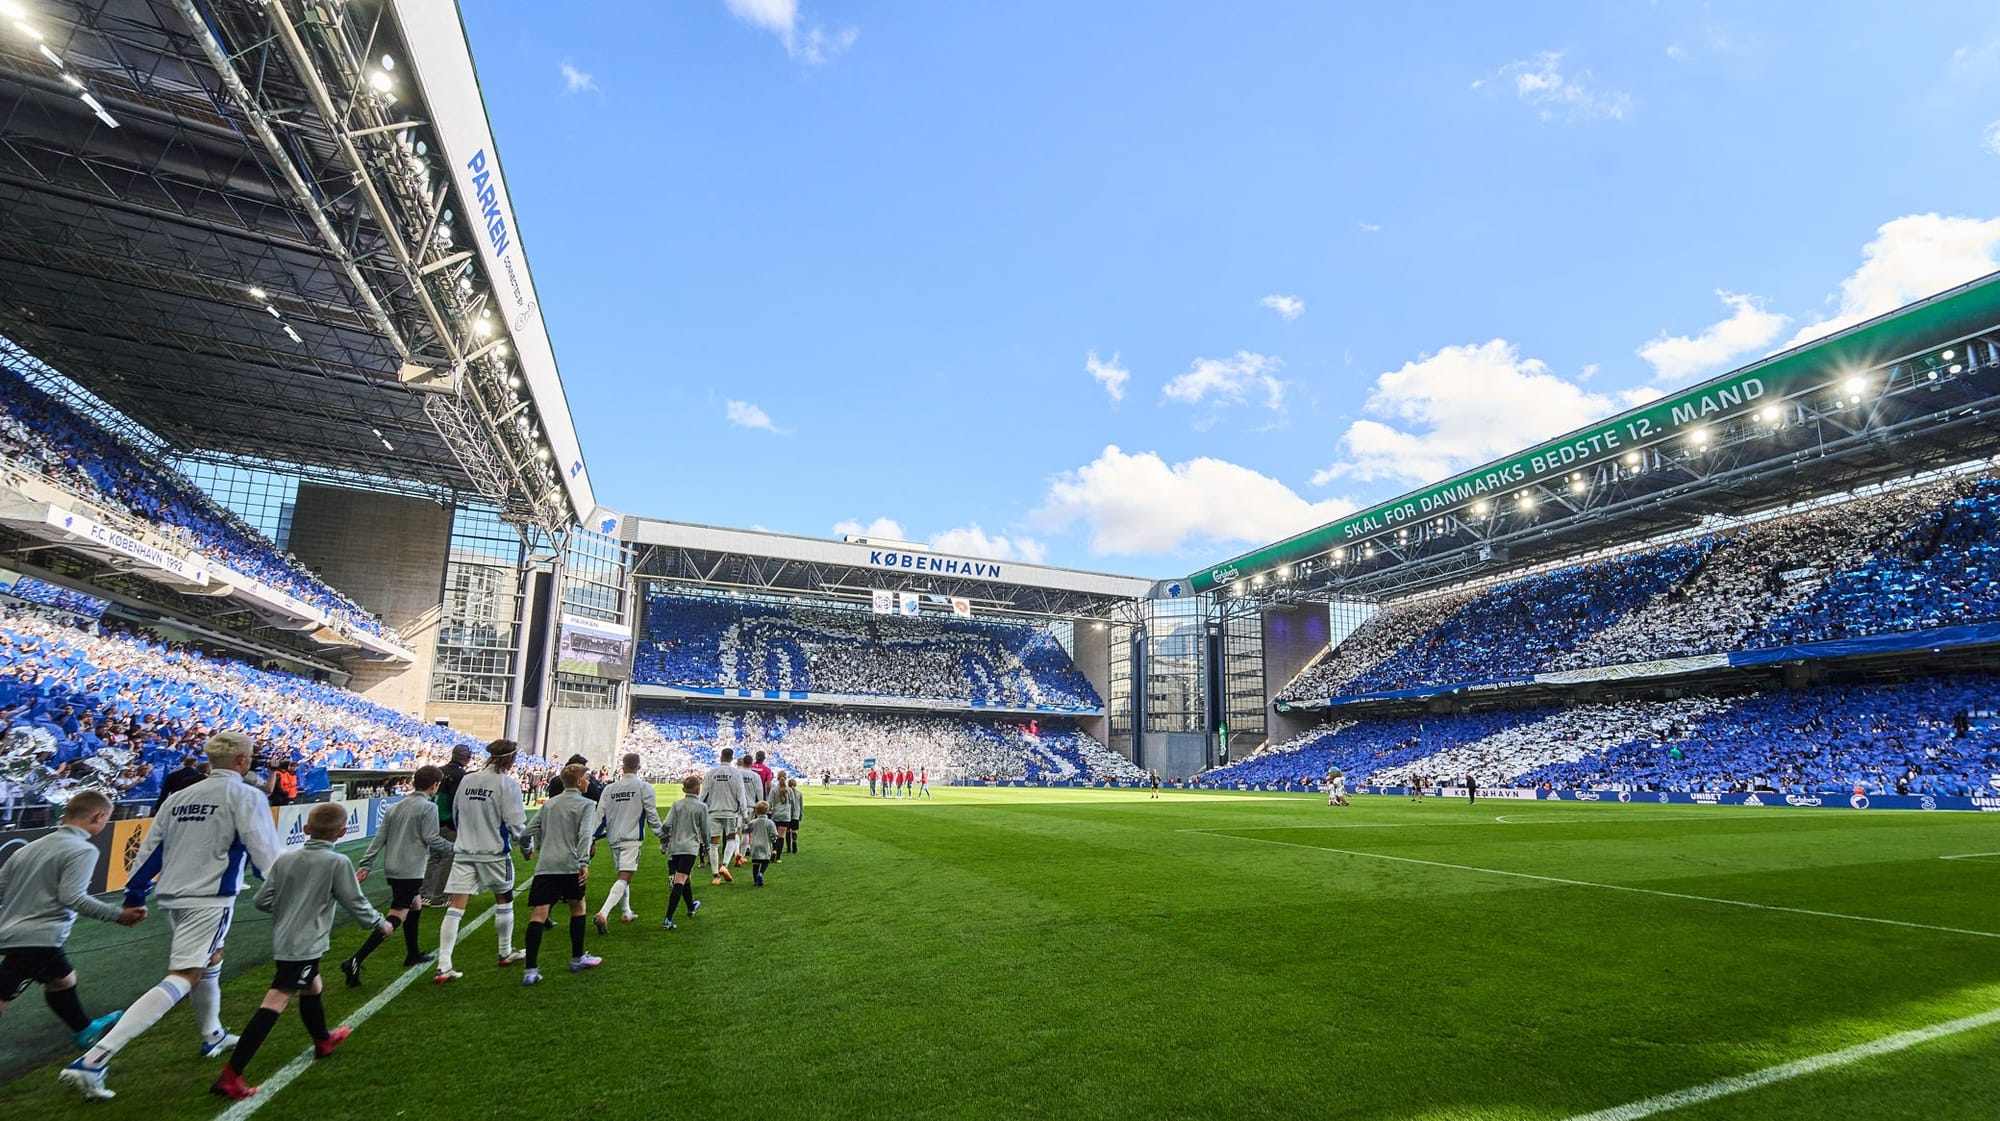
x=590, y=732
x=1293, y=637
x=387, y=552
x=488, y=722
x=1093, y=660
x=1173, y=754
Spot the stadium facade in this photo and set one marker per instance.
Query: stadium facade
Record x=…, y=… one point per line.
x=280, y=385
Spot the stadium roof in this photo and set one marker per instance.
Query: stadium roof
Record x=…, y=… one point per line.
x=760, y=561
x=280, y=236
x=1910, y=391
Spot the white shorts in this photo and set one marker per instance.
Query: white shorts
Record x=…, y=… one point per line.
x=626, y=854
x=722, y=825
x=197, y=935
x=479, y=877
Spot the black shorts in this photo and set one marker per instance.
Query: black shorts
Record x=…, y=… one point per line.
x=295, y=976
x=680, y=864
x=403, y=893
x=796, y=822
x=560, y=887
x=33, y=965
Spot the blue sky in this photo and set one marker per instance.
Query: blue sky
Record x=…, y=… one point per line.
x=1137, y=287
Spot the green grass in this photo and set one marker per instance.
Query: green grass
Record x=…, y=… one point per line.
x=1026, y=953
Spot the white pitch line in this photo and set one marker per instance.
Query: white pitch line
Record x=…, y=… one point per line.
x=1723, y=1087
x=1969, y=855
x=282, y=1078
x=1622, y=887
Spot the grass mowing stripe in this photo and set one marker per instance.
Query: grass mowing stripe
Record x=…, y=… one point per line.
x=1723, y=1087
x=269, y=1088
x=1619, y=887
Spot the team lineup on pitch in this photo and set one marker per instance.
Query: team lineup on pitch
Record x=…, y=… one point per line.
x=1643, y=942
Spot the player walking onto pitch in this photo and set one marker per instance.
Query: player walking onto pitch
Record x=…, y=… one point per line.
x=924, y=782
x=781, y=811
x=723, y=796
x=685, y=832
x=763, y=835
x=406, y=840
x=489, y=815
x=562, y=832
x=43, y=888
x=1154, y=778
x=629, y=806
x=300, y=896
x=798, y=801
x=196, y=853
x=752, y=793
x=1471, y=790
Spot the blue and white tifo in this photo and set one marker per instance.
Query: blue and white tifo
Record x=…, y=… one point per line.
x=356, y=520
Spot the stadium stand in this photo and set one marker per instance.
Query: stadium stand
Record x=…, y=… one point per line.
x=815, y=742
x=40, y=433
x=712, y=642
x=1906, y=559
x=1914, y=737
x=130, y=704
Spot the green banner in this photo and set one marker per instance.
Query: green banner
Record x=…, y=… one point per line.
x=1934, y=322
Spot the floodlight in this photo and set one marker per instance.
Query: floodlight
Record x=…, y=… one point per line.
x=1771, y=414
x=514, y=382
x=1632, y=458
x=388, y=63
x=72, y=80
x=1948, y=355
x=1527, y=501
x=1700, y=437
x=50, y=55
x=1577, y=486
x=28, y=31
x=379, y=80
x=12, y=10
x=542, y=453
x=1856, y=385
x=293, y=335
x=482, y=328
x=1954, y=368
x=1479, y=508
x=257, y=293
x=1340, y=554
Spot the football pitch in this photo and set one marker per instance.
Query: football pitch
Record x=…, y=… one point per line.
x=1023, y=953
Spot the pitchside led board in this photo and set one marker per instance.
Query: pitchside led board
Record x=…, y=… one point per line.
x=593, y=648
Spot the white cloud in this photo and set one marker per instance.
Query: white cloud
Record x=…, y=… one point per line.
x=1679, y=359
x=1675, y=52
x=1111, y=375
x=825, y=46
x=743, y=414
x=888, y=528
x=1229, y=381
x=972, y=541
x=1462, y=406
x=577, y=81
x=1370, y=227
x=1911, y=257
x=1139, y=504
x=1989, y=141
x=1540, y=83
x=1291, y=307
x=814, y=46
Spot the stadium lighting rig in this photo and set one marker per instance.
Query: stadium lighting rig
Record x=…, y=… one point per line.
x=18, y=17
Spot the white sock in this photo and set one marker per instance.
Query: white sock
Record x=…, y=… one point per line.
x=618, y=892
x=207, y=1003
x=729, y=851
x=144, y=1013
x=503, y=925
x=448, y=937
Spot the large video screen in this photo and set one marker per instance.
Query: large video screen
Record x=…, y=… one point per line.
x=594, y=648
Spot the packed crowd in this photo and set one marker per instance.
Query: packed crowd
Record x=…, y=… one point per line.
x=696, y=641
x=1920, y=737
x=818, y=743
x=42, y=434
x=56, y=597
x=1914, y=558
x=136, y=704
